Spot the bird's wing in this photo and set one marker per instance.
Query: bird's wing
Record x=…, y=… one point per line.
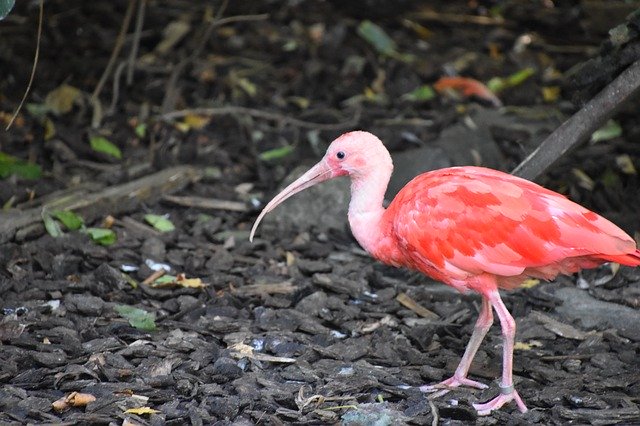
x=472, y=220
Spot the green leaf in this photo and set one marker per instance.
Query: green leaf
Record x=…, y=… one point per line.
x=165, y=279
x=52, y=227
x=10, y=165
x=5, y=8
x=38, y=111
x=72, y=221
x=104, y=237
x=276, y=153
x=141, y=130
x=498, y=84
x=159, y=222
x=609, y=131
x=420, y=94
x=384, y=44
x=376, y=36
x=102, y=144
x=138, y=318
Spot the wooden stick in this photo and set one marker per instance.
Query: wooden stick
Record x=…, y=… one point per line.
x=581, y=125
x=113, y=200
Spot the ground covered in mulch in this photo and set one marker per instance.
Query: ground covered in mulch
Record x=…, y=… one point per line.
x=301, y=326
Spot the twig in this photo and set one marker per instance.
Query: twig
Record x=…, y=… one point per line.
x=408, y=302
x=207, y=203
x=434, y=412
x=256, y=113
x=115, y=91
x=454, y=18
x=136, y=40
x=33, y=68
x=582, y=124
x=115, y=52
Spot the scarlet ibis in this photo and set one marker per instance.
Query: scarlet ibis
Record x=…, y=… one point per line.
x=472, y=228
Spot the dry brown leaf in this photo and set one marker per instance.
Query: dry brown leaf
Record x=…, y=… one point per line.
x=141, y=410
x=61, y=99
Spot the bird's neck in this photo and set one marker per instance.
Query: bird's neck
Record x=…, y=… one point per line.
x=366, y=210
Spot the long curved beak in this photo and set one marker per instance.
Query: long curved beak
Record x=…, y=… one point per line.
x=318, y=173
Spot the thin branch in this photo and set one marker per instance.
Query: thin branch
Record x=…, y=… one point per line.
x=582, y=124
x=115, y=91
x=136, y=40
x=115, y=52
x=33, y=68
x=256, y=113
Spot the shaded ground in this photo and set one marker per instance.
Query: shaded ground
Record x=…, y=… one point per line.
x=301, y=326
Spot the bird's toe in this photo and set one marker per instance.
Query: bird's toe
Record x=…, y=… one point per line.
x=451, y=383
x=497, y=402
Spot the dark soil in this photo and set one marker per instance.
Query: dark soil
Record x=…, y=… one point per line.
x=300, y=327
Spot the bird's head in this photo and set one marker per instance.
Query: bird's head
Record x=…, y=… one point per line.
x=356, y=154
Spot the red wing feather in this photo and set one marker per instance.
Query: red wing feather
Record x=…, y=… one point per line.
x=466, y=221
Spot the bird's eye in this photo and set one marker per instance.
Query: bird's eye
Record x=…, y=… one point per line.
x=340, y=155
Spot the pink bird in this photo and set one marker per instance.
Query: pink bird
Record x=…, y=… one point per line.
x=471, y=228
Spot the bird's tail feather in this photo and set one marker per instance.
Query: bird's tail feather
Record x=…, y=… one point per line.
x=629, y=259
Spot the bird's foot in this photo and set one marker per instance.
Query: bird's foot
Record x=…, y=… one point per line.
x=507, y=394
x=451, y=383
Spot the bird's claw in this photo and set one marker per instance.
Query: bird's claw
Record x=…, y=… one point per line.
x=452, y=383
x=507, y=394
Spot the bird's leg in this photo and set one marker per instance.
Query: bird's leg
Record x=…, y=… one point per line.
x=459, y=378
x=507, y=390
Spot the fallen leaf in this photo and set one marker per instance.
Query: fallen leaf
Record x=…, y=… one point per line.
x=247, y=86
x=50, y=224
x=466, y=87
x=10, y=165
x=498, y=84
x=380, y=41
x=77, y=399
x=159, y=222
x=141, y=410
x=195, y=121
x=60, y=404
x=74, y=399
x=138, y=318
x=625, y=163
x=61, y=99
x=171, y=35
x=609, y=131
x=584, y=180
x=103, y=145
x=377, y=37
x=276, y=153
x=522, y=346
x=69, y=219
x=140, y=130
x=104, y=237
x=550, y=93
x=177, y=281
x=37, y=110
x=183, y=281
x=49, y=128
x=420, y=94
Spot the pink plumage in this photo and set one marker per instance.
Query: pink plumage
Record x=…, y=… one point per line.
x=466, y=221
x=471, y=228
